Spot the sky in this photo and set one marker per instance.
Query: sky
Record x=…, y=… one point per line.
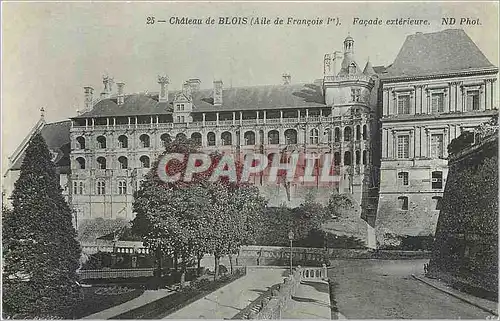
x=51, y=50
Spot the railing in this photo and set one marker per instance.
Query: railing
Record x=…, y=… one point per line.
x=114, y=274
x=314, y=273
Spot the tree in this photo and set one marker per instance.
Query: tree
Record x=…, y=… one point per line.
x=39, y=242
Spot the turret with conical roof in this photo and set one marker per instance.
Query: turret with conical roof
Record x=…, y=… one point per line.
x=368, y=69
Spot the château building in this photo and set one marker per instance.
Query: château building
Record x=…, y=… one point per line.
x=386, y=128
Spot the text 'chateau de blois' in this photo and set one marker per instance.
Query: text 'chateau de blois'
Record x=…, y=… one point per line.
x=387, y=127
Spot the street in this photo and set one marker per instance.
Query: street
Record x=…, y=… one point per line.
x=384, y=289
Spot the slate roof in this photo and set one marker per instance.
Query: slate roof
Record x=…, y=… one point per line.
x=233, y=99
x=57, y=137
x=447, y=51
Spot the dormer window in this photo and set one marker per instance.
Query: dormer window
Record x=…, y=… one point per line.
x=352, y=69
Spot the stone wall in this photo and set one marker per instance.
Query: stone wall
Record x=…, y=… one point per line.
x=466, y=245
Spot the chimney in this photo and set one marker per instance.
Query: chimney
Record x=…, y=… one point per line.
x=287, y=79
x=186, y=89
x=337, y=62
x=217, y=92
x=121, y=96
x=194, y=83
x=163, y=95
x=88, y=98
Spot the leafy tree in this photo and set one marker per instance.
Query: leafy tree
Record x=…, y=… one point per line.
x=39, y=242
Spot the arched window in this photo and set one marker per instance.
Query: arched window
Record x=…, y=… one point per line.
x=336, y=158
x=347, y=158
x=144, y=161
x=347, y=134
x=123, y=162
x=196, y=138
x=290, y=136
x=101, y=142
x=211, y=139
x=337, y=134
x=313, y=136
x=180, y=136
x=101, y=163
x=165, y=139
x=329, y=135
x=227, y=138
x=249, y=138
x=271, y=157
x=145, y=141
x=365, y=133
x=358, y=132
x=365, y=157
x=403, y=202
x=81, y=142
x=81, y=162
x=273, y=137
x=123, y=141
x=358, y=157
x=436, y=200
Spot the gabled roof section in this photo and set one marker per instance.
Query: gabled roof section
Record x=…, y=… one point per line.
x=56, y=136
x=447, y=51
x=233, y=99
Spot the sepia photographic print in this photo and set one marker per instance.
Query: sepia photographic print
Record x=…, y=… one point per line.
x=249, y=160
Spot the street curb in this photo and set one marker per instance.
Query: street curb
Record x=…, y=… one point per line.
x=455, y=295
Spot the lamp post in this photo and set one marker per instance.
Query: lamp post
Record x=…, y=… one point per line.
x=290, y=237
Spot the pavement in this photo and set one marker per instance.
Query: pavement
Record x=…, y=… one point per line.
x=145, y=298
x=484, y=304
x=310, y=301
x=385, y=289
x=232, y=298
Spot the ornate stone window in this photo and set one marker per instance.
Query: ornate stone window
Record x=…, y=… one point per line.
x=337, y=134
x=347, y=134
x=196, y=138
x=122, y=187
x=165, y=138
x=249, y=138
x=227, y=139
x=355, y=94
x=123, y=162
x=211, y=139
x=347, y=158
x=81, y=142
x=123, y=141
x=101, y=163
x=81, y=163
x=273, y=137
x=145, y=141
x=437, y=146
x=290, y=136
x=314, y=136
x=101, y=142
x=144, y=161
x=101, y=187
